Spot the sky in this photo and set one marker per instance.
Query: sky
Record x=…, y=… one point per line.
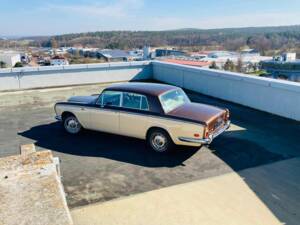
x=41, y=17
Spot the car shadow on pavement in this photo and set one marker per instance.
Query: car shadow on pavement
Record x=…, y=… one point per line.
x=241, y=153
x=271, y=176
x=97, y=144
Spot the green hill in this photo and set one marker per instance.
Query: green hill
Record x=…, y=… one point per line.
x=260, y=38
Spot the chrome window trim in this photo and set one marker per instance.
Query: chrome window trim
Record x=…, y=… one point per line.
x=141, y=96
x=101, y=96
x=121, y=100
x=159, y=97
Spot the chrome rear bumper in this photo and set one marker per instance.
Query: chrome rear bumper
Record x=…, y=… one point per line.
x=206, y=140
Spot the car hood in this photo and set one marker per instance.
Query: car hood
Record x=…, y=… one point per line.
x=199, y=112
x=83, y=99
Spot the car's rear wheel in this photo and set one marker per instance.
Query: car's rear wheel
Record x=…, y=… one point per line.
x=159, y=141
x=71, y=124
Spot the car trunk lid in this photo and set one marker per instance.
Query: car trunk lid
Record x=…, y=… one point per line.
x=199, y=112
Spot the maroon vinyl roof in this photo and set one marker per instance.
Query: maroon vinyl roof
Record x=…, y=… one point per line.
x=142, y=88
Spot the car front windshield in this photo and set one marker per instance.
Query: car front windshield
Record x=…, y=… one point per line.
x=173, y=99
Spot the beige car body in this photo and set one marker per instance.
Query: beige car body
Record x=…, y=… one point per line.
x=133, y=109
x=131, y=124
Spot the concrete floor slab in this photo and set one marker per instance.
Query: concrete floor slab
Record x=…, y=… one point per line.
x=97, y=167
x=225, y=200
x=277, y=185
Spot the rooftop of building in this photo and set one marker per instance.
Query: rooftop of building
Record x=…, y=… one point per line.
x=188, y=62
x=260, y=152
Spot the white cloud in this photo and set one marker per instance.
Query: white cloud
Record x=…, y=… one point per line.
x=112, y=9
x=240, y=20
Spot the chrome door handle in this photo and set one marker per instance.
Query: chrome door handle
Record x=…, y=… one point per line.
x=82, y=109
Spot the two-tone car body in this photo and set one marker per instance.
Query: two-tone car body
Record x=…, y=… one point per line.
x=159, y=113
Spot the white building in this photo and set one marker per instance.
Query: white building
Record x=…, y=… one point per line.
x=10, y=58
x=136, y=54
x=220, y=57
x=289, y=56
x=59, y=61
x=146, y=52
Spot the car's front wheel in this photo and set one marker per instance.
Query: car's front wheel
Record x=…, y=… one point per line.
x=159, y=141
x=71, y=124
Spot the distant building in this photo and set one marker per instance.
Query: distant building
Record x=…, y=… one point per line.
x=88, y=52
x=113, y=55
x=289, y=56
x=220, y=57
x=58, y=61
x=250, y=52
x=168, y=52
x=25, y=58
x=198, y=55
x=57, y=51
x=10, y=58
x=285, y=66
x=146, y=52
x=136, y=55
x=251, y=56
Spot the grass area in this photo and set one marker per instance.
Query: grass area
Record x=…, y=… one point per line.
x=83, y=60
x=258, y=73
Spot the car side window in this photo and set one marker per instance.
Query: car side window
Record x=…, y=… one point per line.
x=134, y=101
x=110, y=98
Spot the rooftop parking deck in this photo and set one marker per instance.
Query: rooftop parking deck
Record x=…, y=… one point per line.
x=97, y=167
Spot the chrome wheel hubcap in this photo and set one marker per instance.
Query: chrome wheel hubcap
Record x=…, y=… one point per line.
x=72, y=125
x=159, y=142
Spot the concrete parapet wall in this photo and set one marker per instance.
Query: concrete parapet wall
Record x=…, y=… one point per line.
x=270, y=95
x=31, y=190
x=274, y=96
x=54, y=76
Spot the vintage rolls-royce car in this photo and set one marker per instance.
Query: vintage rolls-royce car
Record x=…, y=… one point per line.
x=161, y=114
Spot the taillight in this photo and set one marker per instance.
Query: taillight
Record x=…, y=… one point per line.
x=227, y=114
x=206, y=132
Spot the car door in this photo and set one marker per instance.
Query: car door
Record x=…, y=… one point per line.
x=133, y=115
x=105, y=116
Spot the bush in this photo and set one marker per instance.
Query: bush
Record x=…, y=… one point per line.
x=2, y=64
x=18, y=64
x=214, y=66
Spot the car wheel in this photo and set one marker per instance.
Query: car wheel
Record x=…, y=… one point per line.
x=159, y=141
x=72, y=125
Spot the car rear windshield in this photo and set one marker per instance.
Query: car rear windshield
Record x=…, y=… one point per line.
x=173, y=99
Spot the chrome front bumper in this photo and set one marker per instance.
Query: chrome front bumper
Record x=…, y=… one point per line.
x=206, y=140
x=58, y=118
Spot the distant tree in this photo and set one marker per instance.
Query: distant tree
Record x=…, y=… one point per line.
x=239, y=66
x=214, y=66
x=113, y=45
x=2, y=64
x=229, y=65
x=254, y=66
x=77, y=54
x=54, y=43
x=18, y=64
